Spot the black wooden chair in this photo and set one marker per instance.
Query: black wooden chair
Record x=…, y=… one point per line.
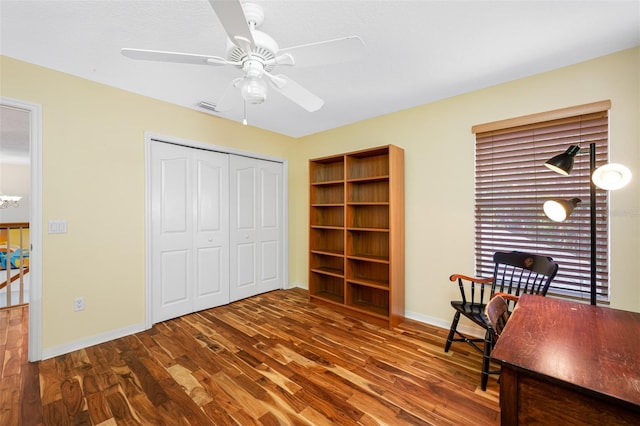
x=515, y=273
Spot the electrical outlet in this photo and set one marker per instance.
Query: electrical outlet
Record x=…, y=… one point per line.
x=78, y=304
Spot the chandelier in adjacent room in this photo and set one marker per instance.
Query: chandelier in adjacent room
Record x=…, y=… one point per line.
x=7, y=201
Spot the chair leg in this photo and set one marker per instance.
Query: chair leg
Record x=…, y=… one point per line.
x=452, y=331
x=486, y=357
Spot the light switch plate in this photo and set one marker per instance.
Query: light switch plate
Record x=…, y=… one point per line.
x=57, y=227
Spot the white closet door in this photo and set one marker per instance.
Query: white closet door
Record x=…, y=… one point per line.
x=211, y=230
x=256, y=225
x=271, y=227
x=189, y=208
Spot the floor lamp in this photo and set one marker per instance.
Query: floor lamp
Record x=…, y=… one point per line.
x=610, y=176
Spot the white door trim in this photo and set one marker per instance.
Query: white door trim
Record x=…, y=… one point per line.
x=149, y=137
x=35, y=223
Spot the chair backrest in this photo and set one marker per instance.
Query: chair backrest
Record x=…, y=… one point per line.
x=497, y=311
x=519, y=273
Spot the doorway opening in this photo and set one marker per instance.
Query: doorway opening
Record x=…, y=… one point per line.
x=21, y=219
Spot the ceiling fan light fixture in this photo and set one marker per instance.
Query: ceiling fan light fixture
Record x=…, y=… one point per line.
x=254, y=90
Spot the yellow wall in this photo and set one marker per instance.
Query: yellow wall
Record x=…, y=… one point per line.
x=439, y=165
x=93, y=176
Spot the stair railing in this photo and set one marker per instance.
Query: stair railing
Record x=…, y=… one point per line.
x=14, y=258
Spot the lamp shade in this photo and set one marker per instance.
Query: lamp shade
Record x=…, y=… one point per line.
x=611, y=176
x=559, y=210
x=563, y=163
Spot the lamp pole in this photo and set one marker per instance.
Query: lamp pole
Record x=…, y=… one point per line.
x=592, y=206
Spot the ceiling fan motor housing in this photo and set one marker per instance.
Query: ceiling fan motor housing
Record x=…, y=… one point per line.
x=265, y=50
x=261, y=58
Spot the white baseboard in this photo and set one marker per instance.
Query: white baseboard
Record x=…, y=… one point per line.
x=471, y=331
x=90, y=341
x=136, y=328
x=105, y=337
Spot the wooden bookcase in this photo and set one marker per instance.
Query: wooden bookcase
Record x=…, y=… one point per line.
x=356, y=237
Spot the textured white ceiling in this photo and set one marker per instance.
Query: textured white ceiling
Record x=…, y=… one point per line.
x=14, y=136
x=417, y=51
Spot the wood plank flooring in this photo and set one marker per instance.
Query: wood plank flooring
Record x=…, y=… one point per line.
x=272, y=359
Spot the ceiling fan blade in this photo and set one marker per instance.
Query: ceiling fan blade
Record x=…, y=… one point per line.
x=295, y=92
x=323, y=52
x=181, y=58
x=232, y=18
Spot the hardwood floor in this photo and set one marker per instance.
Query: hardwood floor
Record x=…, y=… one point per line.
x=267, y=360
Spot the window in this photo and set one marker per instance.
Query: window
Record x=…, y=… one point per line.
x=512, y=183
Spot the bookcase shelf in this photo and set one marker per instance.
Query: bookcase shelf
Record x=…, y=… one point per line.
x=356, y=240
x=328, y=194
x=323, y=216
x=368, y=216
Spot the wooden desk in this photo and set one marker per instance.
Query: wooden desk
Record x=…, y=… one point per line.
x=569, y=363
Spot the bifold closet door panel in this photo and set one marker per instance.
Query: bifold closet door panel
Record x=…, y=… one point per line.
x=189, y=221
x=211, y=230
x=256, y=226
x=271, y=227
x=171, y=231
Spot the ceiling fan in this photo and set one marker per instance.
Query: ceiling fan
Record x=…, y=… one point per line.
x=257, y=54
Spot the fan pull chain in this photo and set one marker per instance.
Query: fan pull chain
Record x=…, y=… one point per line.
x=244, y=105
